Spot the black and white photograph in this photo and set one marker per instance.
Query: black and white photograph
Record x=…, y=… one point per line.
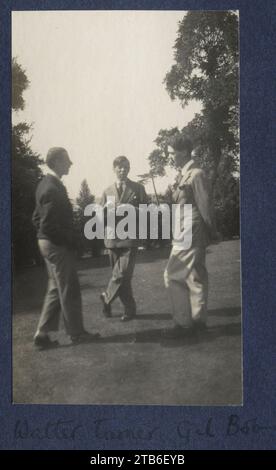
x=126, y=208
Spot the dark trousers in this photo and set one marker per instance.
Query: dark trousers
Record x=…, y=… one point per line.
x=122, y=261
x=63, y=295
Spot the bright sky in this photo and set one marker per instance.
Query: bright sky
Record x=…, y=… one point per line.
x=96, y=87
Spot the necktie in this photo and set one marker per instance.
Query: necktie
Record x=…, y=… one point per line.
x=120, y=189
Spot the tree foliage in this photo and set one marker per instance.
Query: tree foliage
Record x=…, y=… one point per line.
x=20, y=83
x=206, y=59
x=26, y=173
x=84, y=199
x=206, y=68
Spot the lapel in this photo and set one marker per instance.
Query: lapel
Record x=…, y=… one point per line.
x=186, y=173
x=116, y=194
x=176, y=195
x=127, y=192
x=118, y=197
x=185, y=177
x=176, y=191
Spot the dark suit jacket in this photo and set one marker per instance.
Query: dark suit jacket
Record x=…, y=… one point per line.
x=53, y=215
x=133, y=194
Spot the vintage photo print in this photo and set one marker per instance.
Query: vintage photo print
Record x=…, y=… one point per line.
x=126, y=208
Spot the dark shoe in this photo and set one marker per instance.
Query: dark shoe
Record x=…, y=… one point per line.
x=85, y=337
x=44, y=342
x=178, y=332
x=106, y=307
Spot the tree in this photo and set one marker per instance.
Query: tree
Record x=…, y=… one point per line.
x=84, y=199
x=20, y=83
x=25, y=175
x=146, y=177
x=223, y=178
x=206, y=68
x=159, y=158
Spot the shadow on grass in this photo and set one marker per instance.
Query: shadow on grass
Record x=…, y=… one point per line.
x=156, y=254
x=153, y=316
x=88, y=285
x=90, y=263
x=220, y=312
x=157, y=336
x=232, y=329
x=225, y=312
x=143, y=256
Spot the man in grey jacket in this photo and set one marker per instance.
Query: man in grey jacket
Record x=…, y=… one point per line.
x=186, y=277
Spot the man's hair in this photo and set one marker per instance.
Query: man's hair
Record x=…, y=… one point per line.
x=53, y=155
x=121, y=160
x=180, y=143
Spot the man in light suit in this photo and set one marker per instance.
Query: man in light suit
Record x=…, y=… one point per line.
x=53, y=219
x=122, y=253
x=186, y=277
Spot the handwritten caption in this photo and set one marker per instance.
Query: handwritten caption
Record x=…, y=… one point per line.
x=185, y=431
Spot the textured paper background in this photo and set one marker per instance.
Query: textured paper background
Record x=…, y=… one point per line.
x=258, y=265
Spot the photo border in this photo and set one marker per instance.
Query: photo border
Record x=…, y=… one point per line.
x=253, y=425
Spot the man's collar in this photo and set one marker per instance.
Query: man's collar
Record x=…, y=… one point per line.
x=53, y=173
x=119, y=183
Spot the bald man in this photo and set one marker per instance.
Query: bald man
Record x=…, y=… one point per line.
x=53, y=219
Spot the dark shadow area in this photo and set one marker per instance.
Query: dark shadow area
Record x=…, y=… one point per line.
x=28, y=289
x=220, y=312
x=232, y=329
x=157, y=336
x=90, y=263
x=143, y=256
x=87, y=285
x=153, y=316
x=210, y=335
x=150, y=256
x=225, y=312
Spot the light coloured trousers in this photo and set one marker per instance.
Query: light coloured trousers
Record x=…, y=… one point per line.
x=63, y=295
x=186, y=280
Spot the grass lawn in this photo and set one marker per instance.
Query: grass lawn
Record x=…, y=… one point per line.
x=132, y=364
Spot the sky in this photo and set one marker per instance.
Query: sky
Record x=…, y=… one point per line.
x=96, y=88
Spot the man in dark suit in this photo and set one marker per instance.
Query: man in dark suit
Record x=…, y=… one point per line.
x=53, y=219
x=122, y=253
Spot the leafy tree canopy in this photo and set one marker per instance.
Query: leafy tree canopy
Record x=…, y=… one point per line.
x=26, y=173
x=206, y=68
x=206, y=59
x=85, y=197
x=20, y=83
